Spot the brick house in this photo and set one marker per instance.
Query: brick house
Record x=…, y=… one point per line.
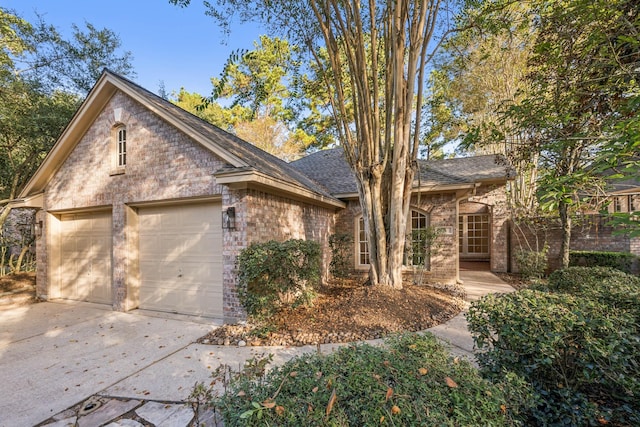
x=143, y=205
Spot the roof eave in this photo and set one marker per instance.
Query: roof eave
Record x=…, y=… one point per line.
x=246, y=177
x=34, y=201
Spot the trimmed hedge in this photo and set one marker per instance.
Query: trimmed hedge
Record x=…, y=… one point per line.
x=412, y=380
x=621, y=260
x=612, y=287
x=577, y=343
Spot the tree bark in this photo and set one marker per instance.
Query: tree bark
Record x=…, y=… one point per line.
x=565, y=221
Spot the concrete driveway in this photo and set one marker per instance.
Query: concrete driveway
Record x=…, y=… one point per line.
x=53, y=355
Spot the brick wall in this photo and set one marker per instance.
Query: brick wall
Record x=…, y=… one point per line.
x=492, y=199
x=588, y=234
x=261, y=217
x=441, y=209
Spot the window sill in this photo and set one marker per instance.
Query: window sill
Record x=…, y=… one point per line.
x=117, y=171
x=361, y=267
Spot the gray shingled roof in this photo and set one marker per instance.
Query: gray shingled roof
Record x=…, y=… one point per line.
x=330, y=169
x=258, y=159
x=325, y=172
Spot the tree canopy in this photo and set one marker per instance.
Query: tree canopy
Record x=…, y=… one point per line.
x=43, y=78
x=579, y=74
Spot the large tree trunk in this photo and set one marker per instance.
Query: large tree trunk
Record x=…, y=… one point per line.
x=377, y=53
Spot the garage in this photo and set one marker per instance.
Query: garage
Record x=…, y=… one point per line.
x=180, y=259
x=85, y=257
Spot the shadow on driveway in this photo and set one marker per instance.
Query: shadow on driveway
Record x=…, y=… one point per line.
x=53, y=355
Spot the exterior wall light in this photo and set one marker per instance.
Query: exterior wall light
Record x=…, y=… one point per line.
x=229, y=218
x=37, y=229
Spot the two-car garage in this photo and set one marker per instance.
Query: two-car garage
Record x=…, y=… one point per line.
x=179, y=258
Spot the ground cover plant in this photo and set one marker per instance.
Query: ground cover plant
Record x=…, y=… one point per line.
x=619, y=260
x=576, y=341
x=411, y=380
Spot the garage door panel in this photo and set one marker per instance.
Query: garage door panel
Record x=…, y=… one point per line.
x=85, y=257
x=181, y=259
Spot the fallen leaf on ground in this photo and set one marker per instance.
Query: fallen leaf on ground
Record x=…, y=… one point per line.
x=451, y=383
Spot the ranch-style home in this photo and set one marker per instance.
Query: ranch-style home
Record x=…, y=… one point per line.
x=143, y=205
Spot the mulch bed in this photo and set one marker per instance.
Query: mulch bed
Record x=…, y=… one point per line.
x=346, y=311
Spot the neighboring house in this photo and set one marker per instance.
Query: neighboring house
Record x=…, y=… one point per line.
x=143, y=205
x=624, y=195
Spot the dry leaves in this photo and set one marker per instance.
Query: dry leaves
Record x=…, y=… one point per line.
x=332, y=401
x=389, y=394
x=451, y=383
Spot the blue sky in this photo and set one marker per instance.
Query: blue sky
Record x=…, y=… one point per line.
x=180, y=46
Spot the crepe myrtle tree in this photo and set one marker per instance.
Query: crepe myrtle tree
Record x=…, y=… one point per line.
x=372, y=58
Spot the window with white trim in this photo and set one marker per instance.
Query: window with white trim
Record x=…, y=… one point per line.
x=363, y=244
x=416, y=252
x=121, y=146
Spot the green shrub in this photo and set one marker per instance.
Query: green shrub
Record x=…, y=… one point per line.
x=411, y=381
x=621, y=260
x=581, y=357
x=612, y=287
x=341, y=263
x=532, y=264
x=274, y=274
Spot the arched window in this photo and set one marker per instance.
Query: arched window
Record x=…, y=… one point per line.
x=121, y=146
x=416, y=250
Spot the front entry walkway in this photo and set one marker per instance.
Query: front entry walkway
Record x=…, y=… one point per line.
x=477, y=283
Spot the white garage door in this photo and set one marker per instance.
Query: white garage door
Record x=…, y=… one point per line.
x=181, y=259
x=85, y=257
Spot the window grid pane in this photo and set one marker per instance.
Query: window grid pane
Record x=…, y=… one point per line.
x=122, y=147
x=477, y=234
x=418, y=249
x=363, y=243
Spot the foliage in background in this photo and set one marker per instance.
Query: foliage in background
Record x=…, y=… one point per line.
x=479, y=72
x=569, y=114
x=273, y=275
x=43, y=78
x=341, y=246
x=620, y=260
x=258, y=97
x=576, y=343
x=411, y=380
x=532, y=264
x=16, y=246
